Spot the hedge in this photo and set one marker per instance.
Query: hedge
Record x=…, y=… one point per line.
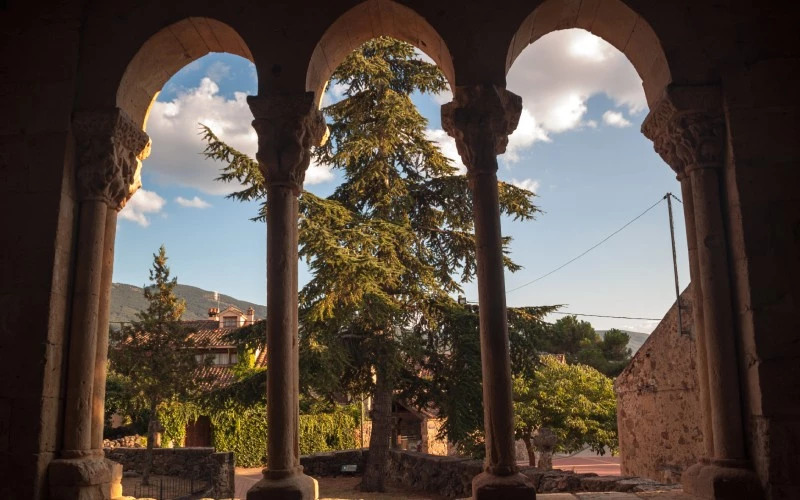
x=243, y=430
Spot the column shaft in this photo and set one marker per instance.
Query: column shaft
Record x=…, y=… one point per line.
x=83, y=329
x=282, y=408
x=104, y=309
x=721, y=356
x=697, y=314
x=498, y=410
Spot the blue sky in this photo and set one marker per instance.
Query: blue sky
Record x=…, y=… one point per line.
x=578, y=146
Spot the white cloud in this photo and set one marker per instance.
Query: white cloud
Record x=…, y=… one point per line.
x=317, y=174
x=529, y=184
x=195, y=202
x=448, y=147
x=218, y=71
x=558, y=74
x=615, y=119
x=141, y=203
x=177, y=145
x=526, y=133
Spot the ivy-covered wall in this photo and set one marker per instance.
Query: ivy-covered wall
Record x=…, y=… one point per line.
x=243, y=430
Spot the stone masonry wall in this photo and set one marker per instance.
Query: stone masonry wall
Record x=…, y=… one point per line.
x=452, y=477
x=198, y=463
x=658, y=408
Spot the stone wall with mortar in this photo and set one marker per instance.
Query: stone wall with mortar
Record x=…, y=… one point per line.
x=451, y=477
x=197, y=463
x=658, y=407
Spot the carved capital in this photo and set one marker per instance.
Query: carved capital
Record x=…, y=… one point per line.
x=480, y=118
x=110, y=149
x=288, y=126
x=688, y=129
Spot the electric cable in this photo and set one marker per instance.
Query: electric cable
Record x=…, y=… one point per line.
x=562, y=266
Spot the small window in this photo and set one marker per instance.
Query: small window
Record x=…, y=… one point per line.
x=230, y=322
x=234, y=358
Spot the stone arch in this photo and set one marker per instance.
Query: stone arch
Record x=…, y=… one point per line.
x=611, y=20
x=167, y=51
x=368, y=20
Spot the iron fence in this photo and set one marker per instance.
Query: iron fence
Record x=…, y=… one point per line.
x=171, y=488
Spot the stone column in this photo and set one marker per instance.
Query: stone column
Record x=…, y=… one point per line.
x=697, y=313
x=692, y=137
x=107, y=145
x=659, y=128
x=288, y=126
x=480, y=119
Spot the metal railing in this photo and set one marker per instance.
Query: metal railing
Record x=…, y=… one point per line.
x=171, y=488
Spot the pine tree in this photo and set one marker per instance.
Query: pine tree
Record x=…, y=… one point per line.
x=389, y=247
x=156, y=352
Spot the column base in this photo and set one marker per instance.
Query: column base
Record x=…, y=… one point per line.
x=487, y=486
x=722, y=479
x=297, y=486
x=84, y=478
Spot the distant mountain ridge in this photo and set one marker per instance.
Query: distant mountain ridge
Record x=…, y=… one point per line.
x=636, y=341
x=127, y=300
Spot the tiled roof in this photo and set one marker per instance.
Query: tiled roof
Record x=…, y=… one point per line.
x=215, y=377
x=207, y=331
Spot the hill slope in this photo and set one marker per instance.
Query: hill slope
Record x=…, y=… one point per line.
x=127, y=300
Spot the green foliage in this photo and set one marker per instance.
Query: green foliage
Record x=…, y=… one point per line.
x=575, y=401
x=581, y=344
x=390, y=245
x=173, y=417
x=242, y=429
x=151, y=356
x=455, y=359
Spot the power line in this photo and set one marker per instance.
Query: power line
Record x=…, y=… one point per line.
x=562, y=266
x=676, y=198
x=570, y=313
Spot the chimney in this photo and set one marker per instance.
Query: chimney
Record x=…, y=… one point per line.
x=250, y=317
x=213, y=313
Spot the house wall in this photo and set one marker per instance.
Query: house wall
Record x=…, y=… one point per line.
x=658, y=406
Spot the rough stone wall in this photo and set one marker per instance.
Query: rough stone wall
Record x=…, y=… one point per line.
x=451, y=477
x=658, y=407
x=198, y=463
x=39, y=47
x=330, y=464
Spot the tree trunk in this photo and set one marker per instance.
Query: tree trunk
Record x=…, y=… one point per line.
x=152, y=426
x=529, y=448
x=378, y=457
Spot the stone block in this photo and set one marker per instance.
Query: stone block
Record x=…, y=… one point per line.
x=295, y=487
x=77, y=472
x=490, y=487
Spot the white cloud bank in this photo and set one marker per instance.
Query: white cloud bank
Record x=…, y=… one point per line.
x=142, y=203
x=615, y=119
x=555, y=77
x=558, y=74
x=195, y=202
x=174, y=128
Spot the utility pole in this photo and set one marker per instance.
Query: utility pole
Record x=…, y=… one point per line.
x=668, y=197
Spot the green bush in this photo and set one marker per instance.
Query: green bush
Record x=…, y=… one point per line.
x=243, y=430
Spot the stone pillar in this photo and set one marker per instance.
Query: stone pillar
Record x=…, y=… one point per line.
x=697, y=313
x=688, y=130
x=658, y=126
x=107, y=145
x=480, y=118
x=288, y=126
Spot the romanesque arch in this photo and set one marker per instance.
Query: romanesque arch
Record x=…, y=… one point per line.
x=611, y=20
x=368, y=20
x=167, y=51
